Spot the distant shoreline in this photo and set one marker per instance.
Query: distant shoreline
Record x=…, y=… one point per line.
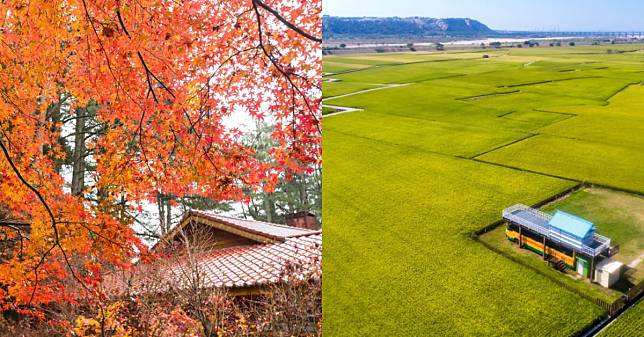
x=453, y=43
x=367, y=46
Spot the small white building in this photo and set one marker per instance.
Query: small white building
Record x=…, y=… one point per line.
x=607, y=272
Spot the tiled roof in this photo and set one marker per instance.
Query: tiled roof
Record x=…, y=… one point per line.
x=262, y=228
x=260, y=264
x=253, y=265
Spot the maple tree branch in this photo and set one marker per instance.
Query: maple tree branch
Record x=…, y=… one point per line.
x=118, y=15
x=279, y=68
x=36, y=268
x=100, y=42
x=99, y=235
x=157, y=79
x=145, y=66
x=286, y=22
x=54, y=223
x=147, y=77
x=148, y=235
x=15, y=226
x=14, y=223
x=148, y=72
x=27, y=184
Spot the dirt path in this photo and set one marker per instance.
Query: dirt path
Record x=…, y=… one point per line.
x=384, y=86
x=340, y=110
x=636, y=261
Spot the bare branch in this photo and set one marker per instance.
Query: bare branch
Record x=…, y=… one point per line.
x=279, y=68
x=286, y=22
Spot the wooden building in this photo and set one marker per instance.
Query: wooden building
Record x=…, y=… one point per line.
x=243, y=256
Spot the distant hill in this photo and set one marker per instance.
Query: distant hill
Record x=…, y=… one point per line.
x=354, y=27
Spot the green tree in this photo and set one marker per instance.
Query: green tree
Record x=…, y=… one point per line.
x=293, y=192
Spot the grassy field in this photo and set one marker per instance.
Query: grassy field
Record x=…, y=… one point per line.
x=423, y=165
x=630, y=324
x=617, y=215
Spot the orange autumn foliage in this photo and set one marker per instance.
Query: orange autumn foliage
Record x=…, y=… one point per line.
x=166, y=75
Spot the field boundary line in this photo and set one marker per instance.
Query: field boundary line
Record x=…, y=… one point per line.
x=483, y=96
x=384, y=86
x=548, y=81
x=452, y=123
x=359, y=69
x=538, y=129
x=431, y=61
x=564, y=193
x=607, y=99
x=618, y=189
x=340, y=110
x=506, y=113
x=419, y=149
x=571, y=114
x=568, y=115
x=395, y=65
x=347, y=109
x=440, y=78
x=524, y=170
x=401, y=146
x=587, y=183
x=504, y=145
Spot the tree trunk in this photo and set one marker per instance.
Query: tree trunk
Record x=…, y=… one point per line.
x=78, y=157
x=304, y=198
x=162, y=219
x=53, y=115
x=252, y=210
x=269, y=207
x=165, y=212
x=168, y=214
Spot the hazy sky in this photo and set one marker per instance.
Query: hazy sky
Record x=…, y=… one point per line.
x=551, y=15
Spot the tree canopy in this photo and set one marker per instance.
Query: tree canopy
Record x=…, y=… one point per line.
x=149, y=89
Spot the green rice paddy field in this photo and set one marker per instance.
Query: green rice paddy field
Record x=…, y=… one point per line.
x=408, y=179
x=630, y=324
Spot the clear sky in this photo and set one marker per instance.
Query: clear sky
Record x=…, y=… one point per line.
x=533, y=15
